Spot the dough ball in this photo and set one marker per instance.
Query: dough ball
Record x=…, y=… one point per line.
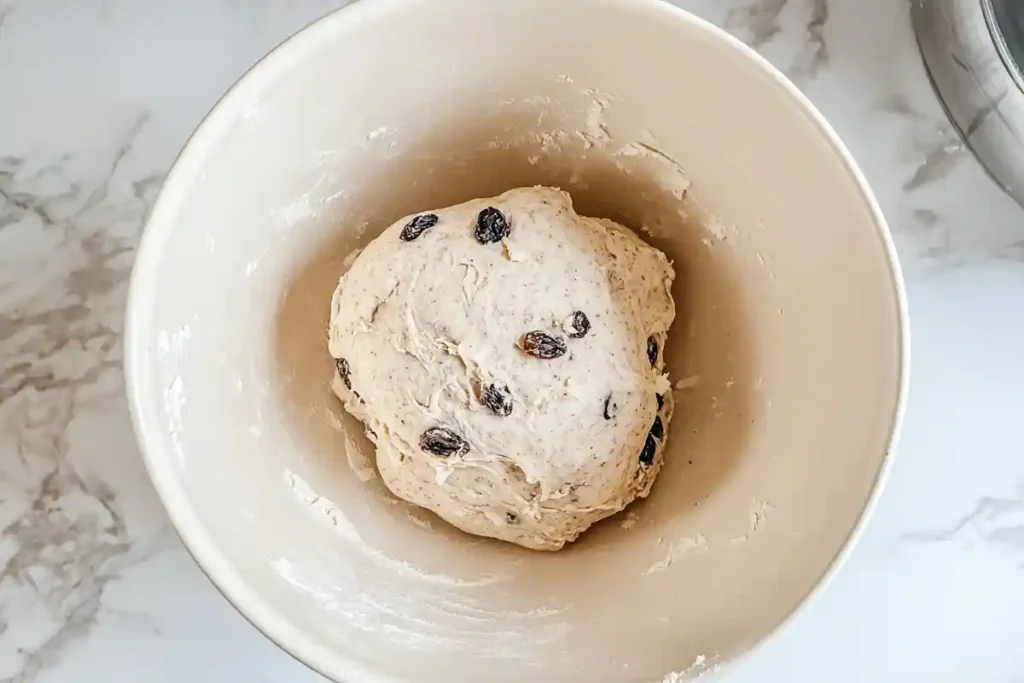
x=505, y=357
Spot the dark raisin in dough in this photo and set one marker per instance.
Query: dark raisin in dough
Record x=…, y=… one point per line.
x=343, y=370
x=652, y=350
x=417, y=226
x=610, y=408
x=511, y=518
x=491, y=226
x=658, y=429
x=580, y=325
x=661, y=400
x=543, y=345
x=497, y=398
x=647, y=454
x=443, y=442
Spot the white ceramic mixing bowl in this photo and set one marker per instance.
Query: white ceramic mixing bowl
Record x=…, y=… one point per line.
x=790, y=344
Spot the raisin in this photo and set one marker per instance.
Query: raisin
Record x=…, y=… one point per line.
x=443, y=442
x=658, y=429
x=344, y=371
x=652, y=350
x=661, y=400
x=417, y=226
x=491, y=226
x=511, y=518
x=497, y=399
x=647, y=454
x=610, y=408
x=543, y=345
x=580, y=325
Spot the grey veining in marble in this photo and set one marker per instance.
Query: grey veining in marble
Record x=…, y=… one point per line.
x=998, y=521
x=760, y=22
x=64, y=528
x=96, y=98
x=76, y=510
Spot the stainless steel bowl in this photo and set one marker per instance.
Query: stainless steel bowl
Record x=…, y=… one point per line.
x=974, y=51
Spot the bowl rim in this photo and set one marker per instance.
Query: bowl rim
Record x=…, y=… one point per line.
x=145, y=419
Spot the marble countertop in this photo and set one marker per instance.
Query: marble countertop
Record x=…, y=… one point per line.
x=97, y=97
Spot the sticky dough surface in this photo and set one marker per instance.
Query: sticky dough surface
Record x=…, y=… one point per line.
x=424, y=325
